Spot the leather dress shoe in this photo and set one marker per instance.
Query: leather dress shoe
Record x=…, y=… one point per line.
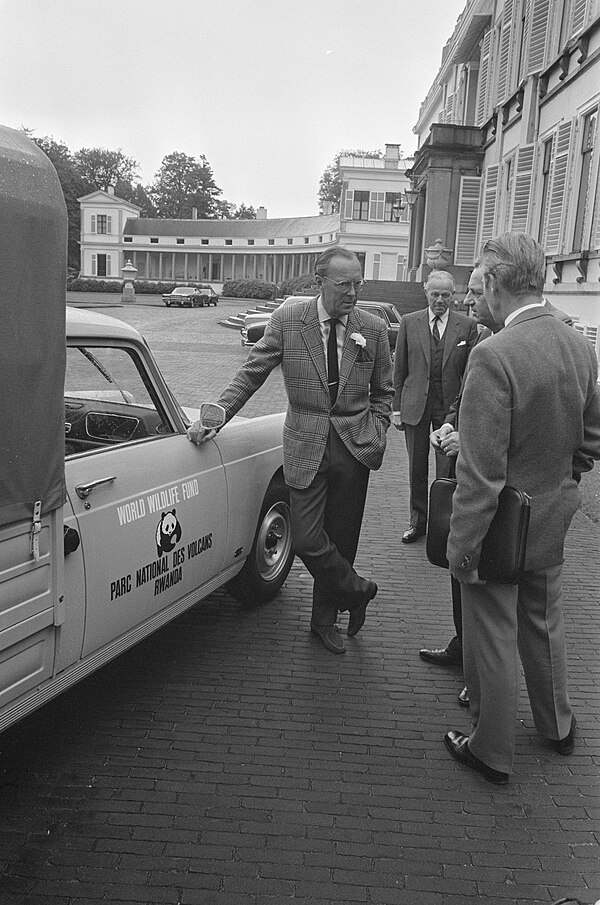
x=413, y=534
x=442, y=657
x=358, y=614
x=565, y=745
x=457, y=745
x=330, y=637
x=463, y=698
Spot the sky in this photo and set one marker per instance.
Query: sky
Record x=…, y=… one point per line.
x=267, y=90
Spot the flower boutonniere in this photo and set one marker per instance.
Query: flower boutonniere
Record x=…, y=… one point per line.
x=361, y=343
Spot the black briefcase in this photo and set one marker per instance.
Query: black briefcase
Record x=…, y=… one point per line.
x=503, y=549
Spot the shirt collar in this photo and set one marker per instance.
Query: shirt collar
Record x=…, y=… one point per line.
x=443, y=317
x=516, y=313
x=324, y=316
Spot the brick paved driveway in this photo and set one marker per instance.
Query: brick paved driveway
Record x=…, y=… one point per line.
x=231, y=760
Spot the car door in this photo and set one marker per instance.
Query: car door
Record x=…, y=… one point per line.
x=150, y=508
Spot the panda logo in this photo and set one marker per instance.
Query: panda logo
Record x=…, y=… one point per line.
x=168, y=533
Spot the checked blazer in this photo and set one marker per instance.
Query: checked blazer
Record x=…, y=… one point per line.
x=361, y=412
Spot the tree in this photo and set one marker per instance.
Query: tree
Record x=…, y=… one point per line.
x=226, y=210
x=330, y=185
x=102, y=168
x=73, y=187
x=183, y=183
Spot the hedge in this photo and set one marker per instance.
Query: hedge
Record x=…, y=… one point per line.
x=142, y=287
x=249, y=289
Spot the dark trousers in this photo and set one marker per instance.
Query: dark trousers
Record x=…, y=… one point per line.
x=326, y=523
x=417, y=446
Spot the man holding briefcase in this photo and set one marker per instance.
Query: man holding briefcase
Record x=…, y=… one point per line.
x=538, y=431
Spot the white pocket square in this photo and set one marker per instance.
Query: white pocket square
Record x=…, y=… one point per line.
x=463, y=342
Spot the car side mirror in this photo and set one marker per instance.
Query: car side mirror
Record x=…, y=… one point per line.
x=212, y=416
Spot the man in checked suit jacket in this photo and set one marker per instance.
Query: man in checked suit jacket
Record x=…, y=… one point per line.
x=333, y=435
x=432, y=349
x=538, y=431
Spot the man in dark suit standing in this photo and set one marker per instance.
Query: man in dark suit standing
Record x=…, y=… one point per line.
x=432, y=349
x=538, y=431
x=337, y=372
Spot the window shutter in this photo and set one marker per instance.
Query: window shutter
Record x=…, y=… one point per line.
x=108, y=260
x=482, y=84
x=94, y=265
x=522, y=190
x=468, y=218
x=109, y=224
x=505, y=52
x=376, y=265
x=578, y=20
x=449, y=109
x=376, y=204
x=554, y=222
x=349, y=204
x=93, y=226
x=536, y=54
x=489, y=203
x=400, y=267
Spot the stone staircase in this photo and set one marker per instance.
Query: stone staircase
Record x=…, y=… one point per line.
x=405, y=296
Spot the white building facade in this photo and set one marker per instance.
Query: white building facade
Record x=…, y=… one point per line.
x=518, y=91
x=371, y=223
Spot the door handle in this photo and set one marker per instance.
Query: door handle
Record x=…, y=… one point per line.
x=83, y=490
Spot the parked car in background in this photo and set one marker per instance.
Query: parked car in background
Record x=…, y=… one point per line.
x=191, y=296
x=255, y=324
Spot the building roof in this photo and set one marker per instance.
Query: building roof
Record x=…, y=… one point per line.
x=376, y=163
x=101, y=195
x=275, y=228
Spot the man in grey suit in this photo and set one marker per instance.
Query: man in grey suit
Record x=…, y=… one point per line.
x=538, y=431
x=337, y=372
x=432, y=349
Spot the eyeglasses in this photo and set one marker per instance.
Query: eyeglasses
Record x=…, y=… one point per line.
x=446, y=296
x=345, y=285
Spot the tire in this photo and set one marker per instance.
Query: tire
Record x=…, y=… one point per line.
x=272, y=554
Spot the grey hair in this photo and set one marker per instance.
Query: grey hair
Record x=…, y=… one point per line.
x=517, y=261
x=440, y=275
x=336, y=251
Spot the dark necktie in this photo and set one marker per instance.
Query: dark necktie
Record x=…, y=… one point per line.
x=332, y=359
x=435, y=331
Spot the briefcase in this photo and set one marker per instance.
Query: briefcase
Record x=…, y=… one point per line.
x=503, y=549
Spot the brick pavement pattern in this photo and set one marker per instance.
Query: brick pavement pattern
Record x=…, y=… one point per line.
x=231, y=760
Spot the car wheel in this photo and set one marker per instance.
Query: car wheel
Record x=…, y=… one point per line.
x=272, y=553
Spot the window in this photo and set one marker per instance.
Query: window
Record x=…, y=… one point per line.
x=290, y=241
x=306, y=240
x=101, y=265
x=203, y=241
x=127, y=239
x=320, y=238
x=376, y=206
x=180, y=241
x=584, y=199
x=250, y=241
x=393, y=203
x=108, y=400
x=103, y=224
x=228, y=241
x=271, y=241
x=153, y=240
x=545, y=186
x=360, y=209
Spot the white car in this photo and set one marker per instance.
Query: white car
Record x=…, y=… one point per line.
x=152, y=523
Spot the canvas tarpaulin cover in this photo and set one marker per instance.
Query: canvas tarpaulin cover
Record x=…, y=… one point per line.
x=33, y=237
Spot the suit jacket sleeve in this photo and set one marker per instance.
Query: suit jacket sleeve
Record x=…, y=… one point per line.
x=400, y=365
x=583, y=460
x=481, y=467
x=263, y=358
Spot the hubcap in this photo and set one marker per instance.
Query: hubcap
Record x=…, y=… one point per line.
x=274, y=542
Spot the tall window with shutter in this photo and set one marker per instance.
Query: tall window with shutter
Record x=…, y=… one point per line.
x=538, y=30
x=504, y=62
x=348, y=202
x=468, y=219
x=481, y=104
x=544, y=193
x=585, y=194
x=490, y=193
x=522, y=189
x=556, y=209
